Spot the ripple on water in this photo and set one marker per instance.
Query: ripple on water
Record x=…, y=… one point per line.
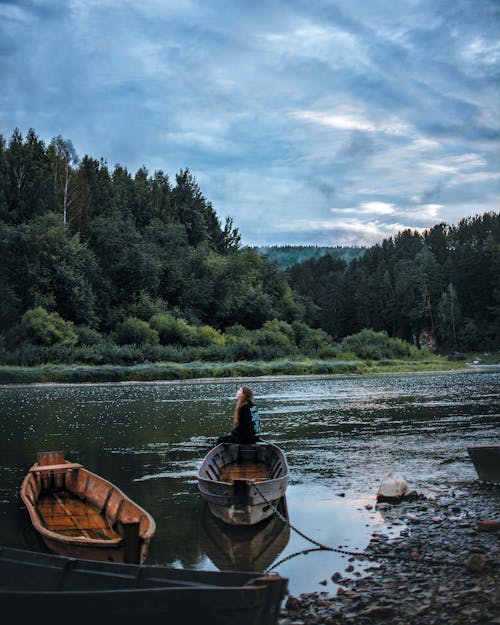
x=340, y=435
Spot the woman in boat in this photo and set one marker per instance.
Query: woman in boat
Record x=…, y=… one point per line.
x=246, y=419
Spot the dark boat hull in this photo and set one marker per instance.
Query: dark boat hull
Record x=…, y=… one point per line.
x=486, y=461
x=243, y=500
x=42, y=585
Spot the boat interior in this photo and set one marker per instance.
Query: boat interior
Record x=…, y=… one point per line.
x=74, y=502
x=258, y=462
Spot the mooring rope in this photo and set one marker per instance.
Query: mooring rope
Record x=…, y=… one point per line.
x=319, y=546
x=357, y=554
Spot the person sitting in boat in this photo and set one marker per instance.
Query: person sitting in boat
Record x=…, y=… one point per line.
x=246, y=419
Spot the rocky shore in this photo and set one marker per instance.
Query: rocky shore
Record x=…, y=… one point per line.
x=442, y=569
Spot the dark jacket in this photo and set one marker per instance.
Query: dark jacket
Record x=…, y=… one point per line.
x=248, y=422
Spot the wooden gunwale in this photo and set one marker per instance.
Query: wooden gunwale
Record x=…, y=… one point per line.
x=39, y=586
x=81, y=505
x=231, y=492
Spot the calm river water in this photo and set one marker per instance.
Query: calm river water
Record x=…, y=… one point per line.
x=341, y=436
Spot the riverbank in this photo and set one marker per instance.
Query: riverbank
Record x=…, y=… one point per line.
x=442, y=568
x=151, y=372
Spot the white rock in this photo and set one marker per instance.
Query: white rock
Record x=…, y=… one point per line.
x=393, y=485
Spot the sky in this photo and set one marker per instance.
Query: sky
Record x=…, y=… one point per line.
x=311, y=122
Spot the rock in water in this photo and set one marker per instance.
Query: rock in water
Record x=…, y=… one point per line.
x=393, y=486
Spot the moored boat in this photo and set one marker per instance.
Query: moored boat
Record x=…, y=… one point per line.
x=82, y=515
x=243, y=483
x=42, y=586
x=486, y=461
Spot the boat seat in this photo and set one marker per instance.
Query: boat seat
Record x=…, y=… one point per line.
x=55, y=467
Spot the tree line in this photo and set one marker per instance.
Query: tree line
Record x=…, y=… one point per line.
x=97, y=256
x=445, y=281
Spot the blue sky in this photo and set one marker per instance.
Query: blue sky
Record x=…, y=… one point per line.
x=336, y=122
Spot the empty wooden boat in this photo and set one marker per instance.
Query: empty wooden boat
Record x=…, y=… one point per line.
x=242, y=483
x=486, y=461
x=43, y=587
x=80, y=514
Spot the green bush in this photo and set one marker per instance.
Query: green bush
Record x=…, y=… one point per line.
x=311, y=340
x=206, y=335
x=134, y=331
x=371, y=345
x=173, y=330
x=277, y=334
x=243, y=349
x=40, y=327
x=88, y=336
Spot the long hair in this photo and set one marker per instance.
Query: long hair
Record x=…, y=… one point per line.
x=244, y=397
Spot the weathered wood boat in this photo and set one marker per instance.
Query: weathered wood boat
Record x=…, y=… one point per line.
x=242, y=483
x=244, y=547
x=80, y=514
x=486, y=461
x=45, y=586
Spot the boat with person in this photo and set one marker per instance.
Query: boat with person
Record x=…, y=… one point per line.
x=43, y=587
x=486, y=461
x=80, y=514
x=242, y=484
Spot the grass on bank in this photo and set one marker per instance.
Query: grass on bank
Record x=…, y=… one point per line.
x=149, y=372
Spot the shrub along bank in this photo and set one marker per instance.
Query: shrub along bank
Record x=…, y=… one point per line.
x=45, y=348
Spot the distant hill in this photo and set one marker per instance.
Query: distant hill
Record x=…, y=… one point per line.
x=284, y=256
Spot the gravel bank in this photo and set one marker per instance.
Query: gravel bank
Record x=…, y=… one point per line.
x=443, y=569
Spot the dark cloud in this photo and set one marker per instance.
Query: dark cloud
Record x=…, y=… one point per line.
x=432, y=195
x=284, y=111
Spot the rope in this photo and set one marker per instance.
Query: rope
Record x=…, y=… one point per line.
x=293, y=555
x=322, y=547
x=319, y=546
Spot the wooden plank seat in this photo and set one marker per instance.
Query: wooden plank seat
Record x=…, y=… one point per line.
x=66, y=466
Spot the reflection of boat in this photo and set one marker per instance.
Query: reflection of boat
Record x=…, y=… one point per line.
x=486, y=461
x=239, y=482
x=44, y=586
x=80, y=514
x=245, y=548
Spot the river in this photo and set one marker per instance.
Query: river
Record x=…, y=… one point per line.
x=341, y=435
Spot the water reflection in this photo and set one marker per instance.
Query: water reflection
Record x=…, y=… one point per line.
x=244, y=548
x=340, y=436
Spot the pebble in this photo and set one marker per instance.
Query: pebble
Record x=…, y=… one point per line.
x=437, y=573
x=476, y=562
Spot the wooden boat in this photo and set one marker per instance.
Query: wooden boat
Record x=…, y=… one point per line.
x=80, y=514
x=45, y=587
x=240, y=482
x=486, y=461
x=244, y=547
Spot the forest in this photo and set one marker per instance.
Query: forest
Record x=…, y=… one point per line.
x=99, y=265
x=445, y=280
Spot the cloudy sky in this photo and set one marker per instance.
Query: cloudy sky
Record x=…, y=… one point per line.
x=328, y=122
